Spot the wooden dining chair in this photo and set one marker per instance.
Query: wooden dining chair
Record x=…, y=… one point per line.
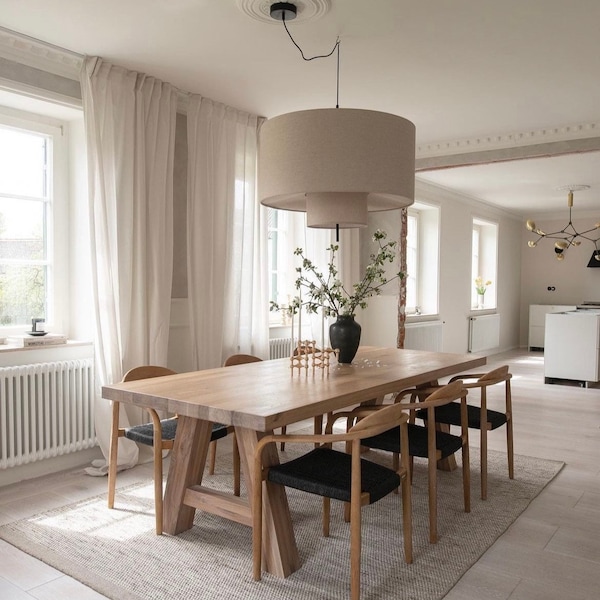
x=343, y=476
x=427, y=441
x=158, y=433
x=481, y=417
x=230, y=361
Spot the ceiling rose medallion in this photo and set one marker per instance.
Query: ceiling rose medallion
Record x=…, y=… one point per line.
x=308, y=10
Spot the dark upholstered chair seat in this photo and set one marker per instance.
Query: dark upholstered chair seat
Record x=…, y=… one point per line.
x=144, y=434
x=389, y=440
x=450, y=414
x=327, y=472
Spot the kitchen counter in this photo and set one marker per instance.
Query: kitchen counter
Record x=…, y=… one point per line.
x=572, y=346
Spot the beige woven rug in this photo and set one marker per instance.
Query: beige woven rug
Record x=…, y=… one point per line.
x=117, y=553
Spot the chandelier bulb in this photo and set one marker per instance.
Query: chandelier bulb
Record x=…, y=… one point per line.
x=531, y=225
x=540, y=232
x=533, y=244
x=576, y=243
x=560, y=257
x=562, y=245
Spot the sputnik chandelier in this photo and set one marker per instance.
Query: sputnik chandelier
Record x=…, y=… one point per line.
x=568, y=235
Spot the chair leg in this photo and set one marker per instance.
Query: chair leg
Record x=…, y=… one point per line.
x=347, y=515
x=483, y=451
x=509, y=430
x=510, y=449
x=283, y=432
x=212, y=457
x=236, y=466
x=432, y=484
x=466, y=473
x=355, y=540
x=326, y=515
x=112, y=456
x=407, y=519
x=158, y=483
x=318, y=426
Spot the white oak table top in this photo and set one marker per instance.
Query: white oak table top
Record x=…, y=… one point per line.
x=264, y=395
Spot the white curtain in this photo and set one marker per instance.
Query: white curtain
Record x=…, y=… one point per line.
x=314, y=242
x=226, y=237
x=130, y=133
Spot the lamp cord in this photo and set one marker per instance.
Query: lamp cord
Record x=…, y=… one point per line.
x=337, y=43
x=336, y=46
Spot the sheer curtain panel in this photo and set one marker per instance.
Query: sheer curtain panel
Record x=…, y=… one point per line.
x=226, y=238
x=130, y=133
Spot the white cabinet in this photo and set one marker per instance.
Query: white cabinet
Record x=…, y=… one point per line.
x=537, y=321
x=572, y=346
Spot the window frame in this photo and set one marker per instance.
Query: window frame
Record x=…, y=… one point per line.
x=484, y=260
x=412, y=275
x=427, y=278
x=57, y=226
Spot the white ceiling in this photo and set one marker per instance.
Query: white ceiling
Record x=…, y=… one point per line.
x=458, y=69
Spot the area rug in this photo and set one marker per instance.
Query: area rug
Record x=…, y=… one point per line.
x=117, y=553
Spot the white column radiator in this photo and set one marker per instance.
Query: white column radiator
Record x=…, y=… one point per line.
x=484, y=332
x=426, y=335
x=280, y=347
x=46, y=410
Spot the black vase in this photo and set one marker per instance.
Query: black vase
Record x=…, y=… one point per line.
x=344, y=335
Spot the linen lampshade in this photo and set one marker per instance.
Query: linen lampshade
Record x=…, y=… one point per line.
x=336, y=164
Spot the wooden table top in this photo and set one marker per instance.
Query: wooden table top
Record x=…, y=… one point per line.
x=264, y=395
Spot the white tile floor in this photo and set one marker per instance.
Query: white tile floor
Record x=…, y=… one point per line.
x=551, y=552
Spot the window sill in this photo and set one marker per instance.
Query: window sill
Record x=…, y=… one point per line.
x=422, y=318
x=8, y=347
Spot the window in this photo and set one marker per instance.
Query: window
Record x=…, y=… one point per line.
x=484, y=262
x=288, y=231
x=27, y=217
x=412, y=253
x=422, y=259
x=280, y=255
x=277, y=241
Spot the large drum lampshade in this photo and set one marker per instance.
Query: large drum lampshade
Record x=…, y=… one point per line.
x=336, y=164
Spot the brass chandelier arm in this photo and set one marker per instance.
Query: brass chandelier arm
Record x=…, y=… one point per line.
x=565, y=237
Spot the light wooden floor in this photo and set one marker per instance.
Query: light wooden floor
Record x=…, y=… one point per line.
x=552, y=552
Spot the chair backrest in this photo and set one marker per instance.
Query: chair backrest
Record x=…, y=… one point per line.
x=147, y=372
x=240, y=359
x=495, y=376
x=442, y=395
x=377, y=422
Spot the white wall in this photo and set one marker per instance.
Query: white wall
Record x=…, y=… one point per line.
x=573, y=281
x=457, y=213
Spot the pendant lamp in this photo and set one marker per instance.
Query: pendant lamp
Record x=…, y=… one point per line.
x=335, y=164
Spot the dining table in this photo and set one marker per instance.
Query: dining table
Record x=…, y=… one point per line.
x=255, y=399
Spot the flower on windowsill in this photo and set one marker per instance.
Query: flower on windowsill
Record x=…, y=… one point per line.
x=326, y=292
x=481, y=286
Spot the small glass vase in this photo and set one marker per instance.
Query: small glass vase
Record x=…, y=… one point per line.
x=480, y=300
